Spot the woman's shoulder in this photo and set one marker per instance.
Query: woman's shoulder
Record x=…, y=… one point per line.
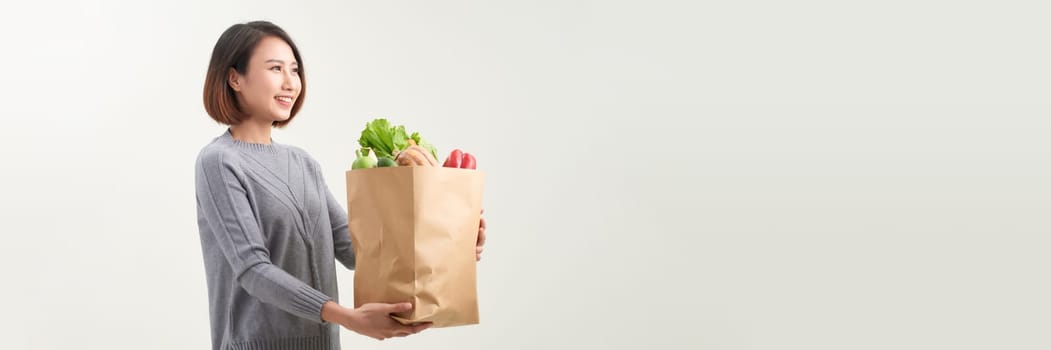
x=223, y=151
x=302, y=153
x=214, y=154
x=297, y=151
x=219, y=150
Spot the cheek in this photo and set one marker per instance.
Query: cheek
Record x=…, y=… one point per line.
x=267, y=88
x=256, y=96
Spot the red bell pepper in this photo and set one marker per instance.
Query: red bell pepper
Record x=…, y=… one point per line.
x=468, y=161
x=454, y=159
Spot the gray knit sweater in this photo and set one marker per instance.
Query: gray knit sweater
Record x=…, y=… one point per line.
x=270, y=233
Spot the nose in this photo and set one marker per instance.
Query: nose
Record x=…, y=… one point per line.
x=288, y=82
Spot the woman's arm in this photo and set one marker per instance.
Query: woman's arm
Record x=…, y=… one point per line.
x=229, y=216
x=337, y=216
x=372, y=320
x=344, y=250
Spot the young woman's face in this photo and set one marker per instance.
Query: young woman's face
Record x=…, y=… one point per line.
x=271, y=82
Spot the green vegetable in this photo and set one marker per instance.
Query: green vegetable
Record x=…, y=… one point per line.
x=387, y=140
x=383, y=139
x=386, y=162
x=423, y=143
x=364, y=161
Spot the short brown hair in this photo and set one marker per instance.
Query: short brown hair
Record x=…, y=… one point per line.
x=233, y=50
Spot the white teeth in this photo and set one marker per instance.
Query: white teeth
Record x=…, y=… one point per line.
x=285, y=99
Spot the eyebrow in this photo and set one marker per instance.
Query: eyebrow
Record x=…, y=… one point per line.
x=280, y=61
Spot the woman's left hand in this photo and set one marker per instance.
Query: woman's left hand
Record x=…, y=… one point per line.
x=481, y=239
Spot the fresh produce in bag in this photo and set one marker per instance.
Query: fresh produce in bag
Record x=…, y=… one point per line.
x=414, y=225
x=393, y=146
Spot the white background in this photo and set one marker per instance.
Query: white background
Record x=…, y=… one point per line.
x=687, y=175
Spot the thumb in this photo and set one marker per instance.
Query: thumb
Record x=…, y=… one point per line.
x=400, y=307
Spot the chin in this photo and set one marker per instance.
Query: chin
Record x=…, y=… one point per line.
x=280, y=117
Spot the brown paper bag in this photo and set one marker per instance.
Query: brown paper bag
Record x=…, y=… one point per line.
x=414, y=230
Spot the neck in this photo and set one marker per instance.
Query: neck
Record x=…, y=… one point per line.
x=252, y=131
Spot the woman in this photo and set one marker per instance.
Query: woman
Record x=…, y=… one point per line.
x=270, y=228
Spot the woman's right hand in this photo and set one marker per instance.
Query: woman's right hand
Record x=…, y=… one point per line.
x=372, y=320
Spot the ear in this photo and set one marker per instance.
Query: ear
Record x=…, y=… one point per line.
x=233, y=79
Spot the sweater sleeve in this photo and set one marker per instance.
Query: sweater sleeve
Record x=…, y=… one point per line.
x=337, y=215
x=344, y=250
x=229, y=215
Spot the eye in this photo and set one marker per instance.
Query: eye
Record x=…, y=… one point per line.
x=295, y=70
x=276, y=68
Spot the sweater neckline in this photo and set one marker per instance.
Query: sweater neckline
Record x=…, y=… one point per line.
x=228, y=137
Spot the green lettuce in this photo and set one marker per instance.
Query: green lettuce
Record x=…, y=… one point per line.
x=386, y=140
x=426, y=145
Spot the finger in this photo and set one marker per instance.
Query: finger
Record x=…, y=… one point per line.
x=481, y=237
x=406, y=330
x=420, y=327
x=415, y=329
x=481, y=223
x=478, y=250
x=400, y=307
x=478, y=257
